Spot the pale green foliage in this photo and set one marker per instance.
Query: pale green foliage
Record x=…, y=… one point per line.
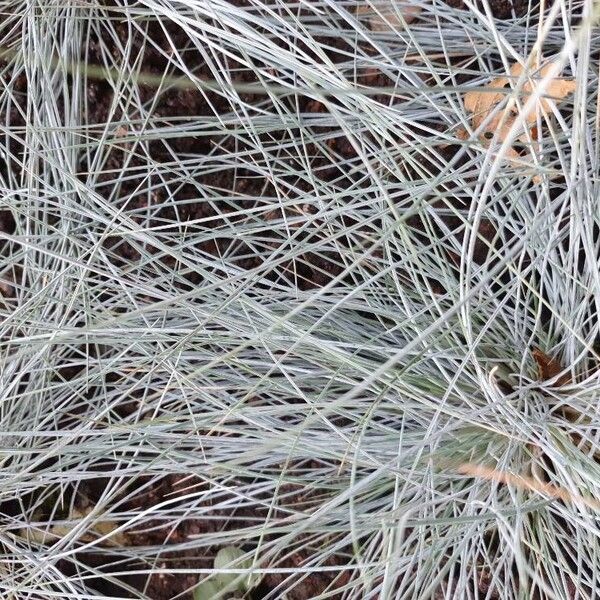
x=226, y=560
x=322, y=428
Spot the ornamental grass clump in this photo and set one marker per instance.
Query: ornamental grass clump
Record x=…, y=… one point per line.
x=314, y=283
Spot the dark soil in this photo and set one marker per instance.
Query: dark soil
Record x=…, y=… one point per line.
x=501, y=9
x=245, y=186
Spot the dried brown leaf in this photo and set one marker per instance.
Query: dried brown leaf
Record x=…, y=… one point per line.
x=525, y=482
x=98, y=529
x=482, y=105
x=549, y=367
x=388, y=15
